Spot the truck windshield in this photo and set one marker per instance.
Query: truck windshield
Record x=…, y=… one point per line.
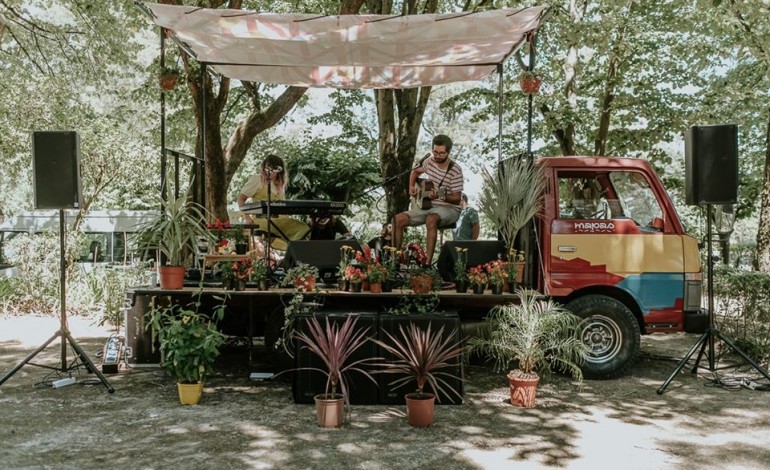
x=611, y=195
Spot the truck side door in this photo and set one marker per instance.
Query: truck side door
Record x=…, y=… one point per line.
x=610, y=229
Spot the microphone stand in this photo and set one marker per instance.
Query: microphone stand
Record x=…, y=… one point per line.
x=269, y=174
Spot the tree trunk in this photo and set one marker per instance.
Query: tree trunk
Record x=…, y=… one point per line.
x=763, y=232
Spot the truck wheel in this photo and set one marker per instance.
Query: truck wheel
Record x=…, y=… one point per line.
x=610, y=332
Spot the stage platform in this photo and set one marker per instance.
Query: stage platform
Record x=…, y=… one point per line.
x=254, y=313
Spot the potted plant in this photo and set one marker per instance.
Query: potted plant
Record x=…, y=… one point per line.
x=241, y=238
x=335, y=344
x=391, y=260
x=530, y=83
x=355, y=277
x=302, y=276
x=242, y=269
x=227, y=273
x=515, y=269
x=376, y=274
x=460, y=270
x=259, y=274
x=535, y=335
x=189, y=344
x=511, y=198
x=478, y=279
x=174, y=232
x=346, y=257
x=419, y=355
x=168, y=78
x=423, y=278
x=498, y=275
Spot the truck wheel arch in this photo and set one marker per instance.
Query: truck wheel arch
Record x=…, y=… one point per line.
x=611, y=332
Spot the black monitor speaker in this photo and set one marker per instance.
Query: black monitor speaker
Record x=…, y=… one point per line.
x=56, y=169
x=711, y=164
x=323, y=254
x=479, y=252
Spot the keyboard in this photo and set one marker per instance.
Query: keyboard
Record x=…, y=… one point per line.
x=295, y=207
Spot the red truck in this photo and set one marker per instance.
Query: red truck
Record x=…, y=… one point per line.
x=614, y=251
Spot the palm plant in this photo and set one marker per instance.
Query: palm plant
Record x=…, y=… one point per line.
x=511, y=198
x=535, y=334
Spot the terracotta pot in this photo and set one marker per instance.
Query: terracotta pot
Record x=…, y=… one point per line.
x=171, y=277
x=422, y=284
x=523, y=388
x=375, y=287
x=306, y=283
x=461, y=287
x=519, y=271
x=190, y=394
x=329, y=411
x=419, y=409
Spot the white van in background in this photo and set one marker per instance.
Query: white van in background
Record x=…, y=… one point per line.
x=107, y=232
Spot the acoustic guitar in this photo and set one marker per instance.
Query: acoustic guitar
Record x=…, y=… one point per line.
x=426, y=191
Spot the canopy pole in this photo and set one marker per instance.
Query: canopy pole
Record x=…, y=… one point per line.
x=163, y=163
x=499, y=113
x=202, y=181
x=530, y=97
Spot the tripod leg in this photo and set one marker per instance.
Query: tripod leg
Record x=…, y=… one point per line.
x=730, y=343
x=700, y=354
x=29, y=358
x=701, y=341
x=87, y=361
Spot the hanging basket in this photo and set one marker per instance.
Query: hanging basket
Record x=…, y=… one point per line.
x=530, y=83
x=168, y=80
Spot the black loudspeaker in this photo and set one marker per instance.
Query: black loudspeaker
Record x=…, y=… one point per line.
x=323, y=254
x=479, y=252
x=711, y=164
x=56, y=169
x=309, y=383
x=393, y=395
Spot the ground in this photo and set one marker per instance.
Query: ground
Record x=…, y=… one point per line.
x=241, y=424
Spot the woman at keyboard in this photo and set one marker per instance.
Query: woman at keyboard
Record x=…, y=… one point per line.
x=272, y=177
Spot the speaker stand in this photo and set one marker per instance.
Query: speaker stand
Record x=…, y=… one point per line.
x=63, y=331
x=712, y=332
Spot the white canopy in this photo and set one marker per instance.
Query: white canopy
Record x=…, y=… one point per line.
x=349, y=51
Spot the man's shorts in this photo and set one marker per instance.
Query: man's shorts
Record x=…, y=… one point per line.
x=448, y=214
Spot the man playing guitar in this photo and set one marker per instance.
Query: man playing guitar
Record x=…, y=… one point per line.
x=444, y=200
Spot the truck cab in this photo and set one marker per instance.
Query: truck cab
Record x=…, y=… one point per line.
x=614, y=251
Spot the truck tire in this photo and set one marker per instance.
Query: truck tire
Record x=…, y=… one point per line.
x=611, y=333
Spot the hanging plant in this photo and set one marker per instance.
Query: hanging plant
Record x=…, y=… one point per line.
x=168, y=78
x=530, y=83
